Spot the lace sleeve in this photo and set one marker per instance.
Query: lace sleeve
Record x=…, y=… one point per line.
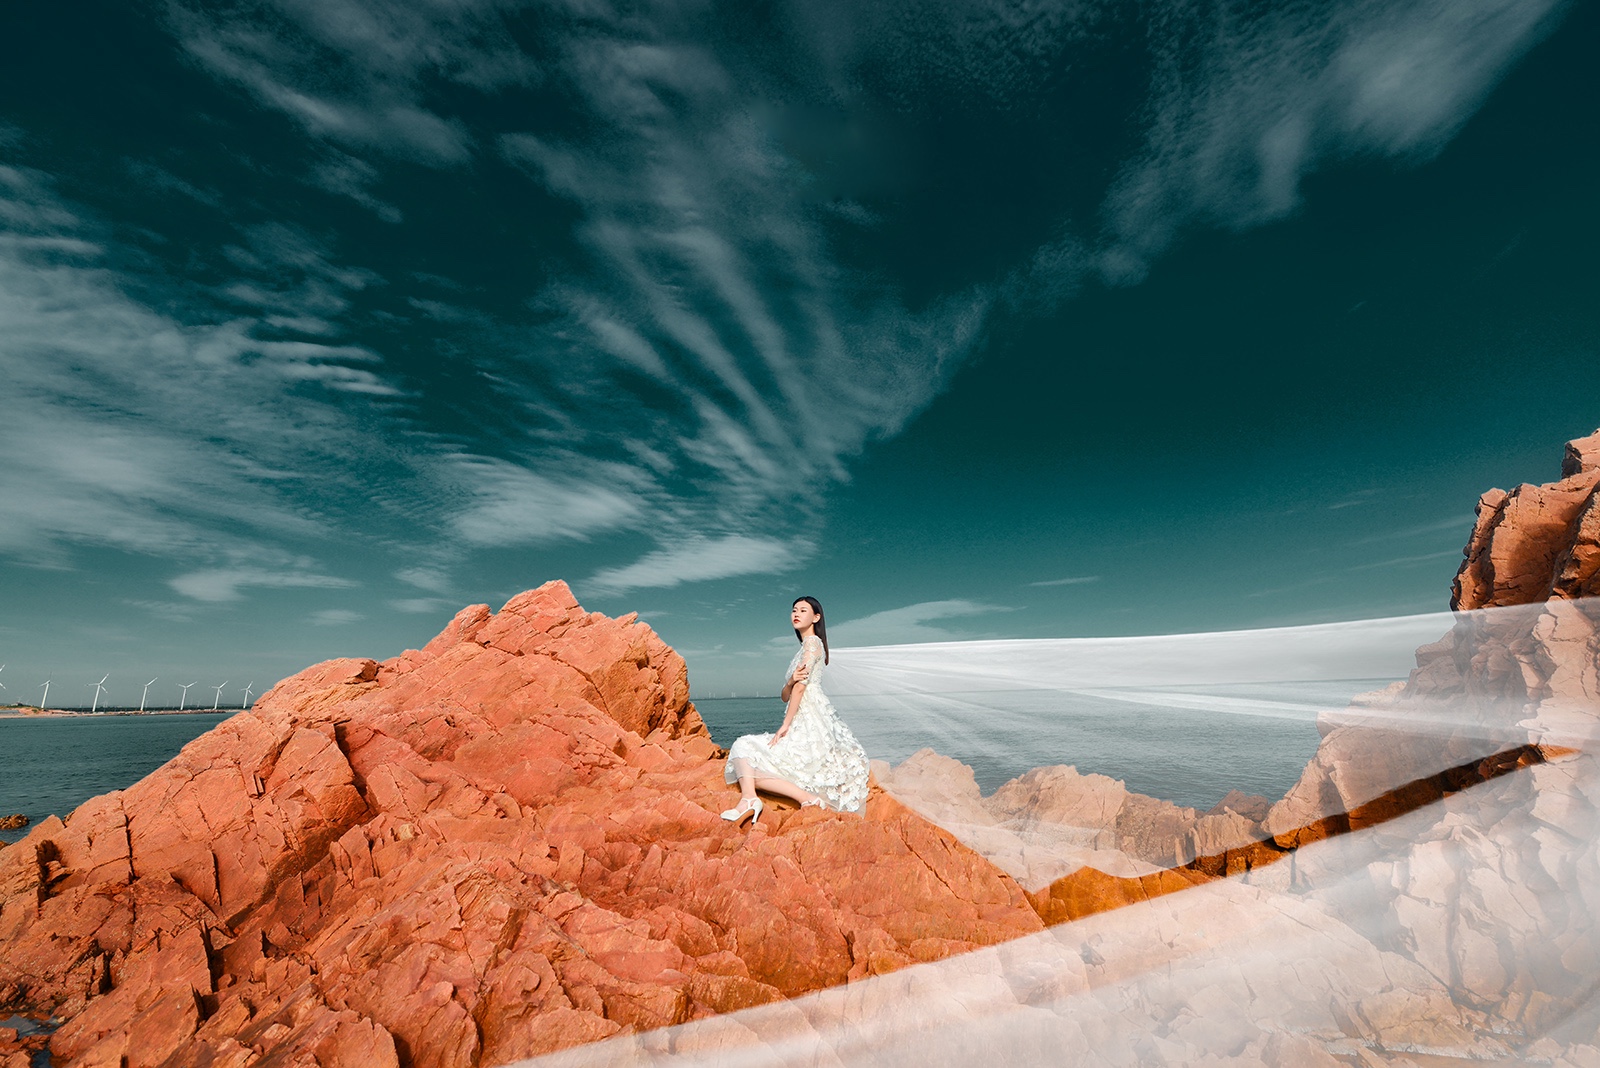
x=811, y=656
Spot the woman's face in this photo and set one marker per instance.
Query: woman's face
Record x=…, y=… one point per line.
x=802, y=615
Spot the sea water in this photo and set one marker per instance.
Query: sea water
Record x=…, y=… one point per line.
x=1189, y=756
x=51, y=765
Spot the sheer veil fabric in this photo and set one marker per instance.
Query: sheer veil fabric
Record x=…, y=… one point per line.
x=1467, y=928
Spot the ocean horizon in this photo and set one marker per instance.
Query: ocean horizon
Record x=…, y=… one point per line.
x=49, y=765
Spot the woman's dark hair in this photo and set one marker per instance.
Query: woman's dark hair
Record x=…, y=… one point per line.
x=821, y=629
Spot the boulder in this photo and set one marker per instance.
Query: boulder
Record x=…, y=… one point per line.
x=503, y=844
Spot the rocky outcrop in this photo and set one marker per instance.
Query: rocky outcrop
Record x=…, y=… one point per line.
x=1052, y=823
x=1514, y=687
x=1537, y=542
x=500, y=845
x=1516, y=681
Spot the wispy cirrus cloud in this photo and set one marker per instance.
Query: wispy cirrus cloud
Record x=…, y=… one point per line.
x=698, y=262
x=418, y=606
x=189, y=439
x=695, y=349
x=911, y=623
x=1247, y=100
x=1462, y=524
x=706, y=269
x=349, y=72
x=701, y=559
x=335, y=617
x=1076, y=580
x=227, y=583
x=1404, y=561
x=511, y=505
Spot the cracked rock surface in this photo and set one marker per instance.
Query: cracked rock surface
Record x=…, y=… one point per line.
x=504, y=844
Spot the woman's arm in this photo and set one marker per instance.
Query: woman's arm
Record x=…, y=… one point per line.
x=800, y=674
x=796, y=691
x=795, y=688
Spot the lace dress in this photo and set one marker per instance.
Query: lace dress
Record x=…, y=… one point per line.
x=819, y=754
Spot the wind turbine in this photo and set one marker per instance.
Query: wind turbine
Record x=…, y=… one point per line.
x=218, y=697
x=247, y=690
x=2, y=685
x=97, y=688
x=146, y=693
x=185, y=696
x=45, y=700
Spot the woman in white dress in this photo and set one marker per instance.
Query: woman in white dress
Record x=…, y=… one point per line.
x=813, y=758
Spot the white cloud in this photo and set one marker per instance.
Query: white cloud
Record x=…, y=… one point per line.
x=225, y=583
x=132, y=429
x=900, y=626
x=1075, y=581
x=433, y=579
x=708, y=272
x=511, y=505
x=335, y=617
x=1249, y=99
x=350, y=177
x=349, y=72
x=701, y=559
x=418, y=606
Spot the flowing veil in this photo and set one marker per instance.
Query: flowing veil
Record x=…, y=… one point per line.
x=1386, y=831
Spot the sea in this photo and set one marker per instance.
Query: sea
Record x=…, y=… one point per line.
x=51, y=765
x=1193, y=758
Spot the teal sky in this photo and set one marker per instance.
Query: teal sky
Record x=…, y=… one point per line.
x=322, y=318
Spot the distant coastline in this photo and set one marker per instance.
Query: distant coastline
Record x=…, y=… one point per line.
x=34, y=712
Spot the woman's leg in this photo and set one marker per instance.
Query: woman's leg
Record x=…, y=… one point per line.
x=781, y=787
x=747, y=779
x=749, y=783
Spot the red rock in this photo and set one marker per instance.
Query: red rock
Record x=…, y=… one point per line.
x=500, y=845
x=1088, y=891
x=1537, y=542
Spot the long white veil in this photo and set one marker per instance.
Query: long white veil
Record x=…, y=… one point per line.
x=1433, y=889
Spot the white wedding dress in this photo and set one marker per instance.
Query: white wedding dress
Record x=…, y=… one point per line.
x=819, y=754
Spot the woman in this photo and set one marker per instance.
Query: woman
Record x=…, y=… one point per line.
x=813, y=758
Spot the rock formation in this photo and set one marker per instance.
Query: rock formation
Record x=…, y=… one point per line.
x=1536, y=543
x=500, y=845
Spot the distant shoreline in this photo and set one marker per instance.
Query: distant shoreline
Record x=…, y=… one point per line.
x=30, y=712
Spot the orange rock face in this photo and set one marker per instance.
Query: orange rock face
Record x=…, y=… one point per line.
x=1537, y=542
x=504, y=844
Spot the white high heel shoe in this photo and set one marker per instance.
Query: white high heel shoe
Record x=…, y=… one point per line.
x=746, y=807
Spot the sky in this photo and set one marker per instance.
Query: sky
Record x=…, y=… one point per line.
x=320, y=319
